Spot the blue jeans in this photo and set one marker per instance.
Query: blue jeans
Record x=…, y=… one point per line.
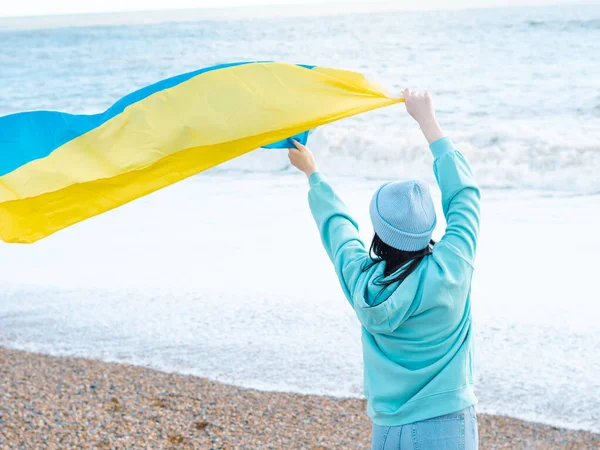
x=456, y=431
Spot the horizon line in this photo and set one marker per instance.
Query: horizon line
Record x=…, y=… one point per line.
x=337, y=8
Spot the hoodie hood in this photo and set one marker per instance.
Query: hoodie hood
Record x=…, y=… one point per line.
x=383, y=311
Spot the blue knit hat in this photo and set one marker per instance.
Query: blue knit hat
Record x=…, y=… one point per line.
x=403, y=215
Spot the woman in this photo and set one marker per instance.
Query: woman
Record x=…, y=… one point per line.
x=411, y=295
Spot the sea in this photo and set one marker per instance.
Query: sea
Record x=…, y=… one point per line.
x=222, y=275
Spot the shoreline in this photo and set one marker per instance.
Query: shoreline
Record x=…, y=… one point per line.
x=65, y=402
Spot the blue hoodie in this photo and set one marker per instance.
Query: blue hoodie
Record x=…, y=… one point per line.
x=416, y=336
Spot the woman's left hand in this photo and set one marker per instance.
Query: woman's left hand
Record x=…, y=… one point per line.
x=302, y=159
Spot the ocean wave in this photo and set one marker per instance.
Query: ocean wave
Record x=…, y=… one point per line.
x=505, y=157
x=566, y=25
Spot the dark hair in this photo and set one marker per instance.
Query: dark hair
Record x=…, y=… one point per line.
x=394, y=259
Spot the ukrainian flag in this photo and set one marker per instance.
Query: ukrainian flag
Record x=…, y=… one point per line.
x=57, y=169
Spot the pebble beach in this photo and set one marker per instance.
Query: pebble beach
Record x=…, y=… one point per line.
x=49, y=402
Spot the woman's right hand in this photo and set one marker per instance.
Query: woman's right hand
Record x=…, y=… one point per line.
x=420, y=106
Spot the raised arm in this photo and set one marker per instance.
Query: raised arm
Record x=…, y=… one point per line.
x=338, y=230
x=460, y=194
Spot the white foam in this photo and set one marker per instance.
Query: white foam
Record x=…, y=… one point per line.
x=505, y=155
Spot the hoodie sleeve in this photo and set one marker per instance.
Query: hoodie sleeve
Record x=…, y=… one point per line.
x=339, y=233
x=460, y=199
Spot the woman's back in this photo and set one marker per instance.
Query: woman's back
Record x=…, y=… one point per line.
x=416, y=343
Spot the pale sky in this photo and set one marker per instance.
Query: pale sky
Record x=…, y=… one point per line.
x=45, y=7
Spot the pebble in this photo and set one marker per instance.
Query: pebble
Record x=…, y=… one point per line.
x=69, y=403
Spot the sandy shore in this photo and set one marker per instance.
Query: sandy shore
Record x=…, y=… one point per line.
x=60, y=403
